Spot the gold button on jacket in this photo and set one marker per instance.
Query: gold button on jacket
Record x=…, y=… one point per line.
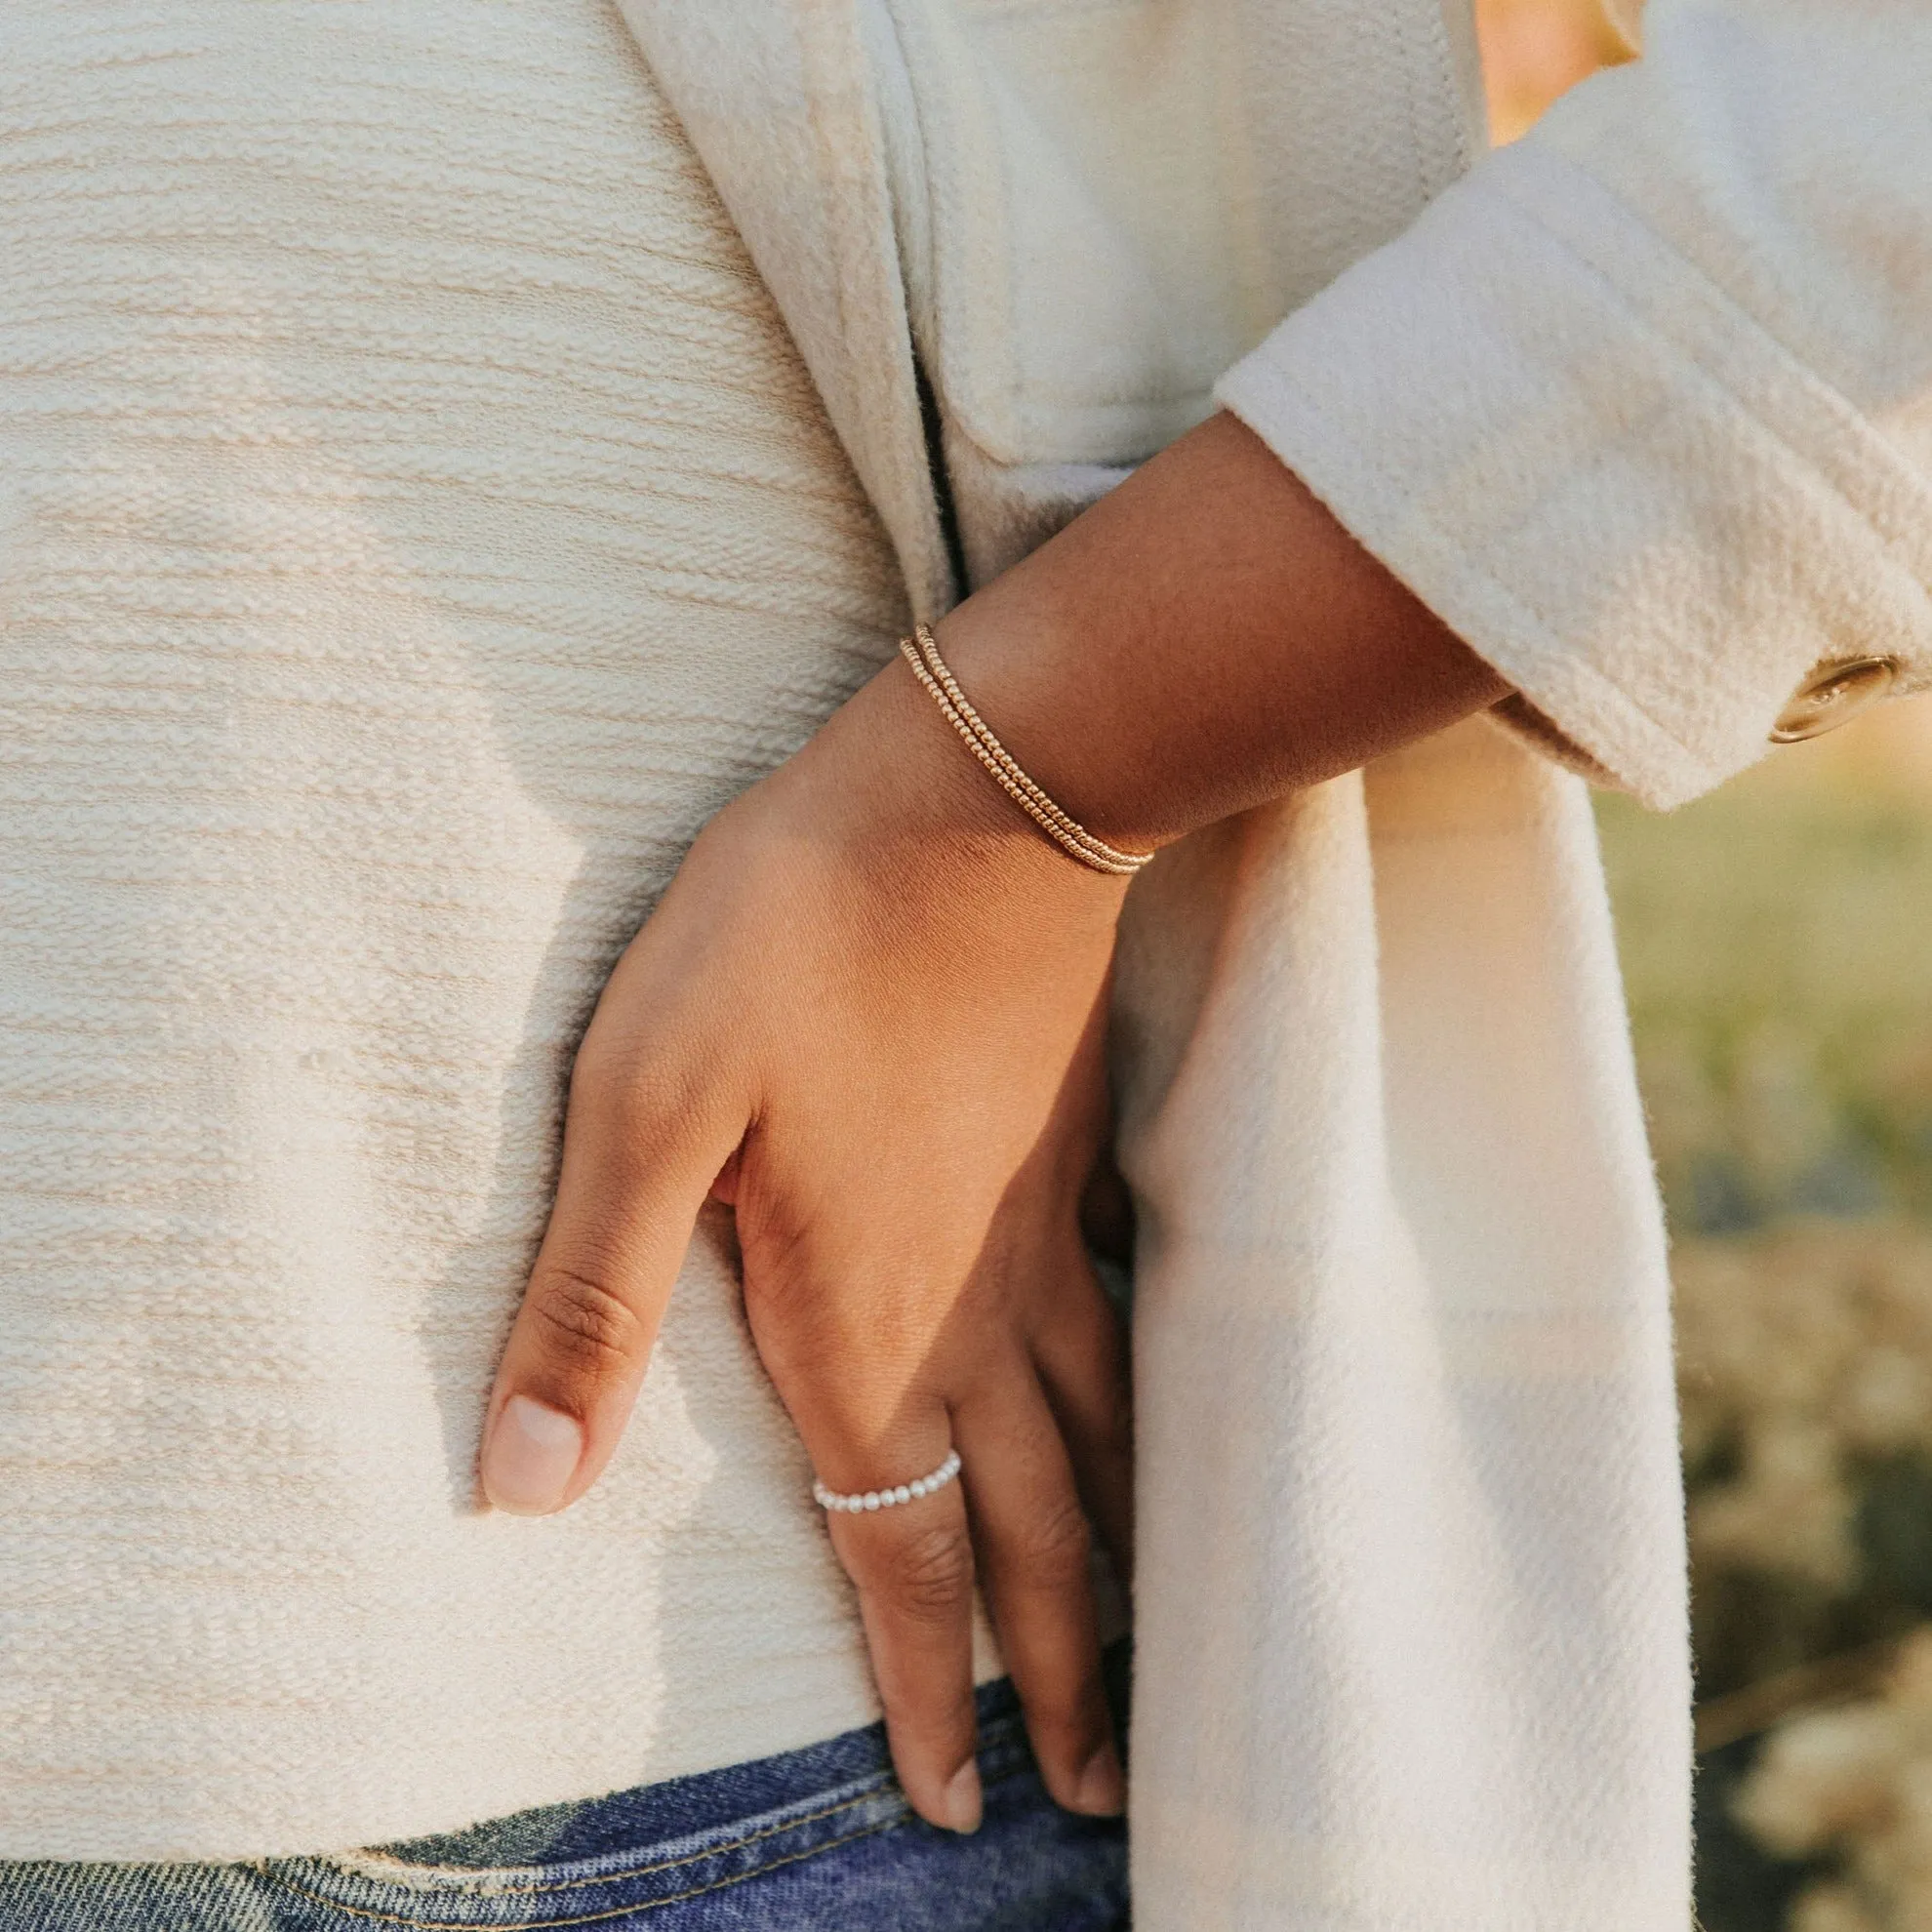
x=1832, y=694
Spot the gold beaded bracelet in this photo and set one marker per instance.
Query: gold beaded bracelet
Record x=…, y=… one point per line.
x=922, y=653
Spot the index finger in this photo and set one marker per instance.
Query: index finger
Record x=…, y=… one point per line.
x=641, y=1147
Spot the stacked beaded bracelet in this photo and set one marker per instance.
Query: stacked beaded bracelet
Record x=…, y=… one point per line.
x=922, y=653
x=884, y=1498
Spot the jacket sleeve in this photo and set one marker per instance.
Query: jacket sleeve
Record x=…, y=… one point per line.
x=1642, y=406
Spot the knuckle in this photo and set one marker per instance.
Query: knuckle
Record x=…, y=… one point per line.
x=606, y=1058
x=617, y=1089
x=612, y=1074
x=584, y=1325
x=929, y=1576
x=1052, y=1550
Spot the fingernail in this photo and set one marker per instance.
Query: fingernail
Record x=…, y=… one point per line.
x=963, y=1798
x=532, y=1454
x=1102, y=1791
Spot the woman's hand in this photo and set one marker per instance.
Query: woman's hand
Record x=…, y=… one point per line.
x=869, y=1013
x=868, y=1010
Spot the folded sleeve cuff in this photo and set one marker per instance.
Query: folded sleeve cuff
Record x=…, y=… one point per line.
x=1601, y=470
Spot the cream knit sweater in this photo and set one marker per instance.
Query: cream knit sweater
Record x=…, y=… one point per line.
x=414, y=522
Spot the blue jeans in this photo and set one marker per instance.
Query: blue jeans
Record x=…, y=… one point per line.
x=815, y=1840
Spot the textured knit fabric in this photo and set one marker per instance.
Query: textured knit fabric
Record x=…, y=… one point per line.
x=414, y=522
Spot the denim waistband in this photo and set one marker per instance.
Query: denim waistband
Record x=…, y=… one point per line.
x=703, y=1834
x=663, y=1848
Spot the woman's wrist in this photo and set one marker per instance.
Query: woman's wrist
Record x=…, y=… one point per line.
x=889, y=785
x=1204, y=639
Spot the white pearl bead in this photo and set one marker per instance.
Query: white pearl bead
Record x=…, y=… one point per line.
x=871, y=1498
x=917, y=1488
x=902, y=1494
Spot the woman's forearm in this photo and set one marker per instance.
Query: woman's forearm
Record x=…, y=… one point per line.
x=1205, y=639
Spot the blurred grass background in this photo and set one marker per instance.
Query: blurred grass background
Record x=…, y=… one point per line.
x=1777, y=939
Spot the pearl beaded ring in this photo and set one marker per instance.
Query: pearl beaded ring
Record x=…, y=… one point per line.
x=885, y=1499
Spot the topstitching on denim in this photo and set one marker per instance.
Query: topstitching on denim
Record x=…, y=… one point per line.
x=381, y=1887
x=633, y=1911
x=507, y=1882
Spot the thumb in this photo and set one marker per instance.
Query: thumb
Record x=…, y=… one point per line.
x=639, y=1155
